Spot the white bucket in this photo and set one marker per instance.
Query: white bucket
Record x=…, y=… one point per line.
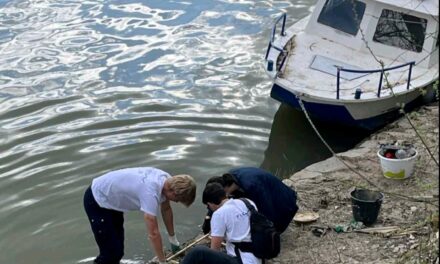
x=397, y=168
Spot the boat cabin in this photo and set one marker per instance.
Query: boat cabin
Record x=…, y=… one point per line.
x=401, y=30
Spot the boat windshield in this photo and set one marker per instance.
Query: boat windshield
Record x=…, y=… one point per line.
x=400, y=30
x=343, y=15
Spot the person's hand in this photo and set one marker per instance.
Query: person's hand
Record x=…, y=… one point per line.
x=206, y=227
x=175, y=245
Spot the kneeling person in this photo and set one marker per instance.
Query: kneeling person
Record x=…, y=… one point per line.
x=273, y=198
x=230, y=222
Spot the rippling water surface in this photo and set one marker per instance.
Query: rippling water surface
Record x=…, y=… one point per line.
x=91, y=86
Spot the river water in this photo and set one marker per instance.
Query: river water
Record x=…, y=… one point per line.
x=91, y=86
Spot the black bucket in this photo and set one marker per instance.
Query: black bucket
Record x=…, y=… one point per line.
x=366, y=205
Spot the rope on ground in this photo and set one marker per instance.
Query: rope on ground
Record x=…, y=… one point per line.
x=352, y=169
x=423, y=141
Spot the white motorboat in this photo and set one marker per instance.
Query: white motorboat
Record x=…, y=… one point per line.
x=356, y=62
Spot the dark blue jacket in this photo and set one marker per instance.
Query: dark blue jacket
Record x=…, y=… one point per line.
x=272, y=197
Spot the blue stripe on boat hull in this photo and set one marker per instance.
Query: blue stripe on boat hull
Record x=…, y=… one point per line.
x=332, y=113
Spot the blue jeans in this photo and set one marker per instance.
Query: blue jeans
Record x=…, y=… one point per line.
x=108, y=228
x=205, y=255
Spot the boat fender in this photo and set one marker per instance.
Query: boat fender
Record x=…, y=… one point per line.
x=270, y=65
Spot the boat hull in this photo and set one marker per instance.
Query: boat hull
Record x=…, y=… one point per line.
x=365, y=114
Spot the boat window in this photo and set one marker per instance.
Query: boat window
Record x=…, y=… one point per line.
x=401, y=30
x=344, y=15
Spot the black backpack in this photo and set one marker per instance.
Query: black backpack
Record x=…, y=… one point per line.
x=265, y=239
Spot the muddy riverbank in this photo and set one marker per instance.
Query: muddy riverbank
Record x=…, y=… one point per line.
x=324, y=188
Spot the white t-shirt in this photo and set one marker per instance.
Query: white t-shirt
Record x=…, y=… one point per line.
x=131, y=189
x=231, y=221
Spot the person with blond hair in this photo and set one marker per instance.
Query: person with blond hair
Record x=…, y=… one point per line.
x=143, y=189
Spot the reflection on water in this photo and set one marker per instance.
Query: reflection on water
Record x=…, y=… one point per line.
x=92, y=86
x=293, y=143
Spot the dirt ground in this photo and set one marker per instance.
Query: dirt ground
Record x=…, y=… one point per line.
x=325, y=188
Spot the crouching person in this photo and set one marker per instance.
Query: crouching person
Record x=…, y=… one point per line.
x=230, y=222
x=273, y=198
x=145, y=189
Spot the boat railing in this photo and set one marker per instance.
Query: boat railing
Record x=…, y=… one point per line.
x=271, y=45
x=382, y=73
